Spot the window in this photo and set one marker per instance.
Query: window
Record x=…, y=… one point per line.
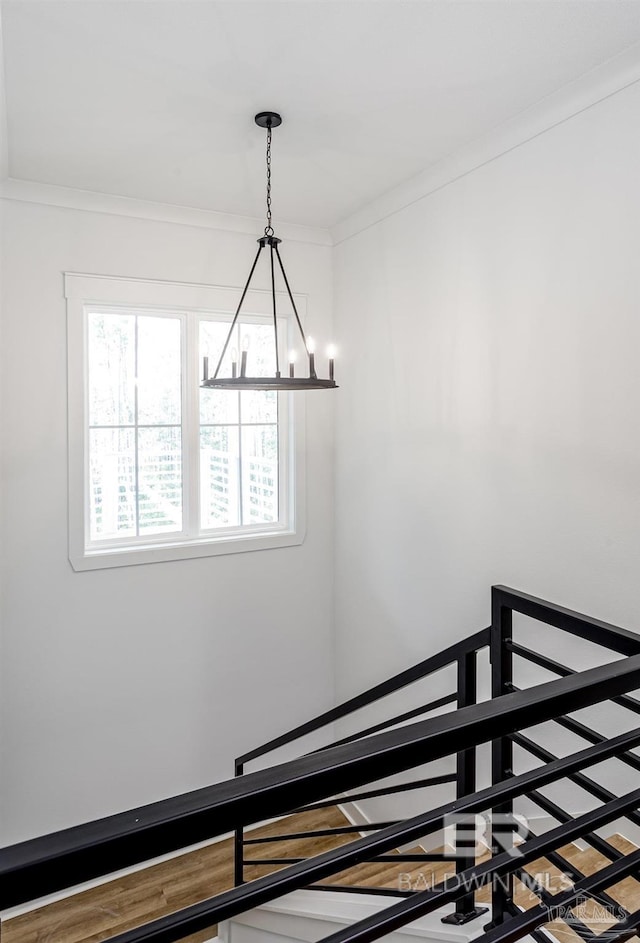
x=160, y=468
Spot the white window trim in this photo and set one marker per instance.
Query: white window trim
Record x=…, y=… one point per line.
x=84, y=290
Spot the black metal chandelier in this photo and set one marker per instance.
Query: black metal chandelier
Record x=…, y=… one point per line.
x=239, y=379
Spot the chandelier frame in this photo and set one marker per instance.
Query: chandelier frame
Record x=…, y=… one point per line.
x=268, y=120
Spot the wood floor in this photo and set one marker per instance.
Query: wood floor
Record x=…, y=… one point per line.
x=95, y=915
x=127, y=902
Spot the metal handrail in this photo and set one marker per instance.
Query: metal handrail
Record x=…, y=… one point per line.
x=568, y=620
x=53, y=862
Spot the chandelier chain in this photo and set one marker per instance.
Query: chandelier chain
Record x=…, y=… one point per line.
x=268, y=229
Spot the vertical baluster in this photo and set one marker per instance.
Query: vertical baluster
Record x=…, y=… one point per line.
x=238, y=843
x=466, y=909
x=501, y=748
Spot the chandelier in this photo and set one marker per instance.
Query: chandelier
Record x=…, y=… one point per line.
x=287, y=381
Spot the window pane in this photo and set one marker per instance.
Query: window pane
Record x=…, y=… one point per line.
x=111, y=339
x=259, y=474
x=112, y=483
x=217, y=406
x=259, y=406
x=159, y=370
x=159, y=480
x=213, y=334
x=219, y=477
x=261, y=353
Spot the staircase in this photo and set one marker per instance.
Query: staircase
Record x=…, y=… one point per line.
x=598, y=915
x=116, y=906
x=576, y=878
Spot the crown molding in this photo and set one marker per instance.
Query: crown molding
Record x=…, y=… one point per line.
x=26, y=191
x=588, y=90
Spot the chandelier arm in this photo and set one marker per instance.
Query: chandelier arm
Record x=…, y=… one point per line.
x=235, y=317
x=293, y=304
x=275, y=317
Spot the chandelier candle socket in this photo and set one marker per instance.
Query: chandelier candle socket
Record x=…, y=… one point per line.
x=331, y=354
x=268, y=120
x=243, y=361
x=311, y=350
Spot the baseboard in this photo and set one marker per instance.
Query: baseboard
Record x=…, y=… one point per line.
x=355, y=814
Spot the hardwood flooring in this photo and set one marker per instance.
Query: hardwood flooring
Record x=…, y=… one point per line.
x=96, y=914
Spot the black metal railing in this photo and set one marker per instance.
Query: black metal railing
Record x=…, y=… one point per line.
x=611, y=640
x=390, y=748
x=462, y=657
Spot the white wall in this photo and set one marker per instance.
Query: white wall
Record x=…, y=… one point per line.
x=488, y=421
x=486, y=432
x=124, y=686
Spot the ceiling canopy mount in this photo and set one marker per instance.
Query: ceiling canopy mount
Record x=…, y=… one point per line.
x=268, y=119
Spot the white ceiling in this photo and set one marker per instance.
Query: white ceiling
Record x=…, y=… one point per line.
x=155, y=100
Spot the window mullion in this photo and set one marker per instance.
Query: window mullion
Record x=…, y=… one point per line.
x=240, y=462
x=283, y=431
x=191, y=425
x=136, y=465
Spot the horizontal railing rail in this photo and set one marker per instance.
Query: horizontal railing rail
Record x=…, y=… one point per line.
x=63, y=859
x=374, y=793
x=578, y=778
x=427, y=708
x=587, y=733
x=556, y=667
x=568, y=620
x=423, y=669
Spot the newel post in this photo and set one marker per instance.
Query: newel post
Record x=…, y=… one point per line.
x=467, y=693
x=501, y=747
x=238, y=842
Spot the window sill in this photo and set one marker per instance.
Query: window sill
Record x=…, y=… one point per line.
x=100, y=559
